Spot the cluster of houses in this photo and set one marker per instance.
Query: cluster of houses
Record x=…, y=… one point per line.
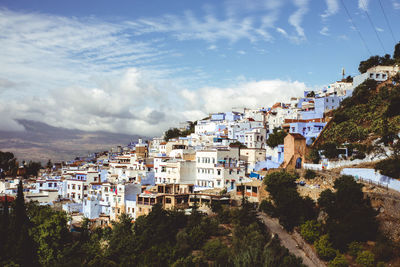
x=224, y=158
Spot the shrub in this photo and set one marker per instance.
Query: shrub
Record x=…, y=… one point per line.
x=276, y=137
x=338, y=261
x=330, y=150
x=310, y=174
x=314, y=156
x=355, y=248
x=310, y=231
x=267, y=207
x=366, y=259
x=324, y=248
x=216, y=251
x=359, y=155
x=389, y=167
x=383, y=250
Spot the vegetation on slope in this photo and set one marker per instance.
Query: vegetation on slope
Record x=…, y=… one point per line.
x=345, y=223
x=232, y=237
x=369, y=112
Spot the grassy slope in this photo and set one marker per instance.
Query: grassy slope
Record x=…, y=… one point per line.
x=365, y=116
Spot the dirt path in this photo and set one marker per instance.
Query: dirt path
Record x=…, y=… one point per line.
x=293, y=242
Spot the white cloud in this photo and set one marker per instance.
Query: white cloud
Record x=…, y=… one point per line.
x=297, y=18
x=396, y=4
x=212, y=47
x=331, y=9
x=363, y=4
x=241, y=52
x=250, y=94
x=209, y=28
x=379, y=29
x=282, y=31
x=324, y=31
x=94, y=75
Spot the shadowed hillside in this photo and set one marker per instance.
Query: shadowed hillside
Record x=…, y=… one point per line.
x=41, y=141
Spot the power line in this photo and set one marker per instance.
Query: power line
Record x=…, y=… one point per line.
x=373, y=26
x=387, y=21
x=355, y=27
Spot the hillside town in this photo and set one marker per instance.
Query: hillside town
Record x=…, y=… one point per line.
x=220, y=159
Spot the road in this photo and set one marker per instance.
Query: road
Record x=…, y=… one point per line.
x=293, y=242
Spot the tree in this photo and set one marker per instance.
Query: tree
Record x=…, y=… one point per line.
x=366, y=258
x=171, y=133
x=339, y=261
x=396, y=54
x=276, y=137
x=314, y=156
x=49, y=164
x=8, y=164
x=330, y=150
x=290, y=207
x=25, y=248
x=324, y=248
x=373, y=61
x=350, y=215
x=311, y=231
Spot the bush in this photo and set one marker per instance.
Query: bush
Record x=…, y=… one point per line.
x=383, y=250
x=310, y=231
x=276, y=137
x=330, y=150
x=366, y=259
x=324, y=248
x=216, y=251
x=338, y=261
x=310, y=174
x=267, y=207
x=314, y=156
x=359, y=155
x=389, y=167
x=355, y=248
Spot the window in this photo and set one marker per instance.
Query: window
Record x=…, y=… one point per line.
x=50, y=185
x=168, y=200
x=238, y=171
x=40, y=185
x=219, y=172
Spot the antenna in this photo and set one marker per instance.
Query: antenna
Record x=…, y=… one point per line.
x=343, y=73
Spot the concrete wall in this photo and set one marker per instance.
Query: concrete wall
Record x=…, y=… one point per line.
x=372, y=176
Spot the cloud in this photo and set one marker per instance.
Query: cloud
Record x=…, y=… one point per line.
x=139, y=103
x=208, y=28
x=324, y=31
x=6, y=83
x=282, y=31
x=379, y=29
x=87, y=74
x=297, y=18
x=363, y=4
x=241, y=52
x=250, y=94
x=332, y=8
x=212, y=47
x=8, y=124
x=396, y=4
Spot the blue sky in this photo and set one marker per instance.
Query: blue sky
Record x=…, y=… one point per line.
x=142, y=66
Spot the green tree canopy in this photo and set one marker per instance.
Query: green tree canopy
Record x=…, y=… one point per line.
x=350, y=215
x=276, y=137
